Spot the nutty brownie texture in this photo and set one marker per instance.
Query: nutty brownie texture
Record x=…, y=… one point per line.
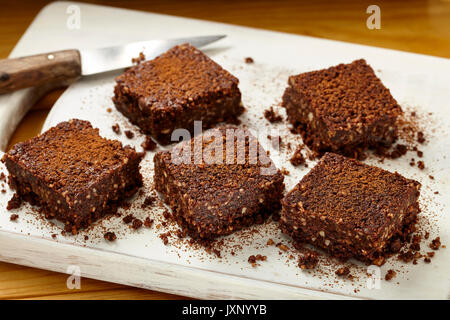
x=343, y=109
x=230, y=184
x=174, y=90
x=74, y=174
x=351, y=209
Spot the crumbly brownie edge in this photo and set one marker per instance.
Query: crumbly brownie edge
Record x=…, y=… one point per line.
x=297, y=114
x=347, y=238
x=96, y=205
x=167, y=187
x=303, y=234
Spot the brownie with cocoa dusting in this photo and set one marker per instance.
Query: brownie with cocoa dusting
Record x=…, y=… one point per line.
x=74, y=174
x=343, y=109
x=174, y=90
x=218, y=182
x=351, y=209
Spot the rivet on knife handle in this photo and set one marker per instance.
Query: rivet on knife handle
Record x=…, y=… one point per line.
x=31, y=71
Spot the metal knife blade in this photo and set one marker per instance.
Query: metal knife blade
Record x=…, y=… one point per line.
x=118, y=57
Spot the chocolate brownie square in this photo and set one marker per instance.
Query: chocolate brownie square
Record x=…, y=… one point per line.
x=175, y=89
x=74, y=174
x=218, y=182
x=351, y=209
x=343, y=109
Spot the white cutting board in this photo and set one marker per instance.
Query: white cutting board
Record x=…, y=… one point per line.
x=139, y=258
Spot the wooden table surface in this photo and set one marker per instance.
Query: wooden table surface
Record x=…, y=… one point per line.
x=416, y=26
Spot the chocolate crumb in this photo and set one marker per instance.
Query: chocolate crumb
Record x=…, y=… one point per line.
x=86, y=238
x=261, y=257
x=297, y=158
x=2, y=176
x=137, y=223
x=399, y=150
x=165, y=237
x=148, y=222
x=252, y=259
x=217, y=253
x=272, y=116
x=116, y=128
x=308, y=261
x=54, y=236
x=13, y=217
x=406, y=256
x=109, y=110
x=435, y=244
x=420, y=137
x=282, y=247
x=127, y=219
x=427, y=260
x=138, y=59
x=14, y=203
x=421, y=165
x=270, y=242
x=390, y=275
x=148, y=201
x=129, y=134
x=249, y=60
x=110, y=236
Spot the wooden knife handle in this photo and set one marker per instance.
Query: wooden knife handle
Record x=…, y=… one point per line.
x=31, y=71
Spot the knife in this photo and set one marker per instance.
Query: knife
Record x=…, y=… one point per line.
x=60, y=66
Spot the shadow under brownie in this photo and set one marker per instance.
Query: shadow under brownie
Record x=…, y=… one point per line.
x=175, y=89
x=73, y=174
x=218, y=182
x=351, y=209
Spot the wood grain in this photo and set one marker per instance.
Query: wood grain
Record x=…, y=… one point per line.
x=40, y=69
x=415, y=26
